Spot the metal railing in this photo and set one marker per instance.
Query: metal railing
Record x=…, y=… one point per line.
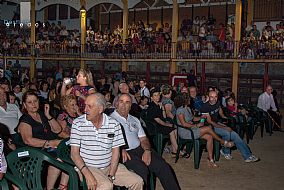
x=183, y=49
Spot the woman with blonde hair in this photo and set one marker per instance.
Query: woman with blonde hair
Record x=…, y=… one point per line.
x=70, y=112
x=84, y=87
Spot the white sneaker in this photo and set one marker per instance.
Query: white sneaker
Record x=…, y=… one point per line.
x=226, y=156
x=252, y=158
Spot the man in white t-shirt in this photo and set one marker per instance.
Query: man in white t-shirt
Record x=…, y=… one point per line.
x=9, y=113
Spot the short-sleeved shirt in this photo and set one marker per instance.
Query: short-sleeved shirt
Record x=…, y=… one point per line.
x=3, y=163
x=10, y=117
x=166, y=101
x=212, y=110
x=133, y=129
x=184, y=133
x=96, y=144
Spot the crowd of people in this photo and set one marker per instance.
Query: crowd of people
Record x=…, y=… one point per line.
x=197, y=37
x=102, y=120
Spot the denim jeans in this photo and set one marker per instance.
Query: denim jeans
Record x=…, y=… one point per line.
x=233, y=136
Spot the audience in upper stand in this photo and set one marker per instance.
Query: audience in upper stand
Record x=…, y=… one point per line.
x=202, y=36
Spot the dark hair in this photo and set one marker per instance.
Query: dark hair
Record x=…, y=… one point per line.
x=229, y=98
x=10, y=94
x=42, y=83
x=154, y=90
x=181, y=100
x=29, y=93
x=5, y=136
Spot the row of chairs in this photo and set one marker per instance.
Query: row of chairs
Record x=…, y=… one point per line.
x=247, y=126
x=195, y=144
x=26, y=168
x=244, y=127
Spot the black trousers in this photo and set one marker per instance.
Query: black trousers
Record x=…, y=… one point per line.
x=158, y=166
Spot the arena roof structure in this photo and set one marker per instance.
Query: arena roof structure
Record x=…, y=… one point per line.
x=40, y=4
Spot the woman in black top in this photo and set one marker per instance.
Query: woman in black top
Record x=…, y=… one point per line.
x=39, y=129
x=155, y=115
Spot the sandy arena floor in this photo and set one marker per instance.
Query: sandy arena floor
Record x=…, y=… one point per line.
x=235, y=174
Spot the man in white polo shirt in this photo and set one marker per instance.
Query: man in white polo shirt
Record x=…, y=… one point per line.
x=267, y=104
x=9, y=113
x=95, y=140
x=139, y=156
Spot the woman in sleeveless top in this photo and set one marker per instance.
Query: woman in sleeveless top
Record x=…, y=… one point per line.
x=70, y=112
x=39, y=129
x=84, y=87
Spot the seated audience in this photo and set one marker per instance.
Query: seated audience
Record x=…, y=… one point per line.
x=95, y=141
x=9, y=113
x=70, y=111
x=213, y=111
x=186, y=119
x=156, y=114
x=39, y=129
x=139, y=156
x=267, y=104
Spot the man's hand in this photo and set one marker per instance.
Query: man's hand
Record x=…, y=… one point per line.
x=125, y=156
x=146, y=157
x=91, y=181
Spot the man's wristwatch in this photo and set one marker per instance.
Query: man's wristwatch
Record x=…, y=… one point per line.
x=111, y=178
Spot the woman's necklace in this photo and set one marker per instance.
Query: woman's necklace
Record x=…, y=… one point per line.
x=38, y=119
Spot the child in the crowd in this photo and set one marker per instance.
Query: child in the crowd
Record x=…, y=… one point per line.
x=234, y=109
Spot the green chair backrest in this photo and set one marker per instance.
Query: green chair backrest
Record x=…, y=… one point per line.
x=4, y=184
x=26, y=164
x=64, y=151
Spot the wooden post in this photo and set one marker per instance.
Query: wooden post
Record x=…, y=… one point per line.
x=238, y=26
x=265, y=76
x=33, y=41
x=175, y=25
x=250, y=12
x=125, y=31
x=83, y=17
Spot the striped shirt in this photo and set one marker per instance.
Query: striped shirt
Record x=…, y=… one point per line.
x=96, y=144
x=3, y=164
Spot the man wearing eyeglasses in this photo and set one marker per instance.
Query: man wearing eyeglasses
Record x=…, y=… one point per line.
x=267, y=104
x=139, y=156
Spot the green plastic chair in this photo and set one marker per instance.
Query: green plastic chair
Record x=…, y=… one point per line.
x=157, y=140
x=64, y=151
x=4, y=184
x=194, y=144
x=25, y=167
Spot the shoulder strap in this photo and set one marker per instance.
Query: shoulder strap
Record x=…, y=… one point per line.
x=126, y=146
